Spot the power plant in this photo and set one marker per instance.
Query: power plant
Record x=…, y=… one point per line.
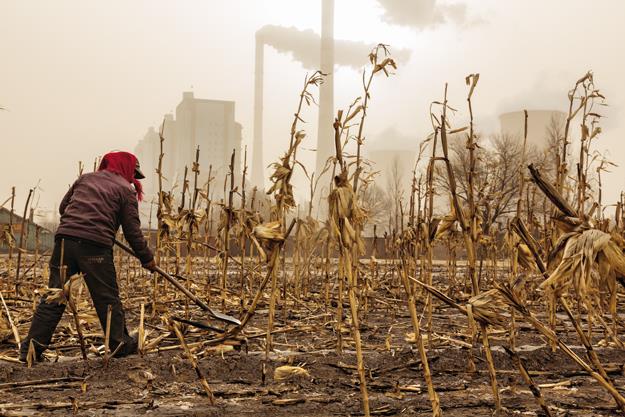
x=313, y=52
x=304, y=46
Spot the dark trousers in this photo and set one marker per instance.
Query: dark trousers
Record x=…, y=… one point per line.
x=96, y=263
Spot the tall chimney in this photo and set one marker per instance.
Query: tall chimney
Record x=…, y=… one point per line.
x=325, y=133
x=258, y=165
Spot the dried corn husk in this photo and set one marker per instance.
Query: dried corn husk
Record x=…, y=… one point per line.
x=280, y=178
x=488, y=307
x=343, y=207
x=271, y=231
x=269, y=234
x=445, y=226
x=578, y=265
x=60, y=295
x=283, y=373
x=614, y=256
x=449, y=224
x=169, y=221
x=525, y=257
x=611, y=265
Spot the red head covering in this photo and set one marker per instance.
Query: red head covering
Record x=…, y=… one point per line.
x=122, y=163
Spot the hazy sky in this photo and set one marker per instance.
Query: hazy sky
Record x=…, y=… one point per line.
x=80, y=78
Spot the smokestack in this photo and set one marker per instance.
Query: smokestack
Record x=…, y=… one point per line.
x=258, y=164
x=312, y=52
x=325, y=134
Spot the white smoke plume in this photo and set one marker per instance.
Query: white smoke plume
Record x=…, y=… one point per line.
x=421, y=14
x=304, y=47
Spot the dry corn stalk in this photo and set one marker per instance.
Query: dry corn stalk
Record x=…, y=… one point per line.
x=192, y=359
x=282, y=190
x=535, y=389
x=584, y=265
x=343, y=207
x=64, y=296
x=346, y=216
x=590, y=259
x=16, y=333
x=467, y=217
x=433, y=396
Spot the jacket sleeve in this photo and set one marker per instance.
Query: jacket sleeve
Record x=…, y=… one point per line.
x=131, y=225
x=67, y=198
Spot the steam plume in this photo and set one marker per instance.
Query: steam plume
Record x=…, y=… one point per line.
x=420, y=14
x=304, y=47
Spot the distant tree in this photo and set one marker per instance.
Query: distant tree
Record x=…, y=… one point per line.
x=375, y=201
x=496, y=175
x=395, y=193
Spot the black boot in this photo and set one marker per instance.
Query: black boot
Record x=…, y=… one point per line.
x=25, y=345
x=129, y=347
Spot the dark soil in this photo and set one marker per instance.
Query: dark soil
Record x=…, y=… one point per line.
x=164, y=383
x=332, y=389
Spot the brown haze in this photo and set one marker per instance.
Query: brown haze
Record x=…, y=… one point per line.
x=79, y=78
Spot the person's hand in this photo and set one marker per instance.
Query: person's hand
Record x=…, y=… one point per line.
x=150, y=266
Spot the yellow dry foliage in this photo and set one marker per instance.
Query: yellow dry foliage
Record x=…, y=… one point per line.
x=286, y=372
x=590, y=260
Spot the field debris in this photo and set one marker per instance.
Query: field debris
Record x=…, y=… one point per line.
x=496, y=286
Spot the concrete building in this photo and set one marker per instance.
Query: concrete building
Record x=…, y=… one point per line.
x=207, y=124
x=34, y=235
x=538, y=122
x=147, y=150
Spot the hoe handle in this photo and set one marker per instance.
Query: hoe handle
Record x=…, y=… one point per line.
x=171, y=279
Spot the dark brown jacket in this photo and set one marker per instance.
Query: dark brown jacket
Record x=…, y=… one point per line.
x=94, y=208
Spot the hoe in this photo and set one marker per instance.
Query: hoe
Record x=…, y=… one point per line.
x=215, y=314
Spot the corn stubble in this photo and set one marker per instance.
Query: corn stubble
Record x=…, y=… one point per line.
x=556, y=250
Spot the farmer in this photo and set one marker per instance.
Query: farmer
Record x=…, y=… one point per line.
x=91, y=213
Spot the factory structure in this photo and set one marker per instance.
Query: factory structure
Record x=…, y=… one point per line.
x=207, y=124
x=314, y=52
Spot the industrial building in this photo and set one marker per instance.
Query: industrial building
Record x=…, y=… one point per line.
x=207, y=124
x=34, y=235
